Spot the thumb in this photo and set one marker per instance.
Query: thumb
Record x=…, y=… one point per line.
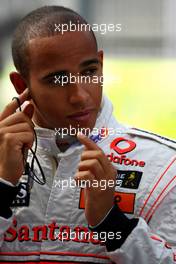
x=29, y=110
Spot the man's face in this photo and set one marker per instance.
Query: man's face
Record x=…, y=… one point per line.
x=59, y=105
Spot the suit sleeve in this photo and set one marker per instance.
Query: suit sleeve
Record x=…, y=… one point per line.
x=7, y=195
x=140, y=243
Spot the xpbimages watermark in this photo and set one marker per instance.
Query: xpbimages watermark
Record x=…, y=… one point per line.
x=71, y=183
x=79, y=26
x=62, y=80
x=94, y=134
x=70, y=79
x=85, y=236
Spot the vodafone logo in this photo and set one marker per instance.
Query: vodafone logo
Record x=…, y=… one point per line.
x=130, y=145
x=122, y=146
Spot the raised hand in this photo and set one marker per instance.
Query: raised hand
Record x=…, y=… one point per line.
x=94, y=166
x=16, y=135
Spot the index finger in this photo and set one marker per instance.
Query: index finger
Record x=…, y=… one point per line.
x=12, y=106
x=87, y=142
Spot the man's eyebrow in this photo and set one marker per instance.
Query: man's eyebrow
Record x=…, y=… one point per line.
x=62, y=72
x=88, y=62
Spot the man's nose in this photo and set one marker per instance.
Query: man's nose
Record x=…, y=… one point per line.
x=78, y=94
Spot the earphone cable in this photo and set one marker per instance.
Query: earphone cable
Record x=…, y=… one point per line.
x=30, y=168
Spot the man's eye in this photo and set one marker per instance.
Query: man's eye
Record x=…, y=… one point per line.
x=90, y=72
x=60, y=80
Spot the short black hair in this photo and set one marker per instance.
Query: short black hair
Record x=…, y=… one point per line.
x=40, y=23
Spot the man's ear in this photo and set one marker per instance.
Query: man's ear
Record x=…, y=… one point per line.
x=18, y=82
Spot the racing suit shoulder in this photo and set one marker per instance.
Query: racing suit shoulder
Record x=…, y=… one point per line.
x=153, y=136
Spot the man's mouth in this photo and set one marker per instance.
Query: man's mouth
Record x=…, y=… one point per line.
x=81, y=116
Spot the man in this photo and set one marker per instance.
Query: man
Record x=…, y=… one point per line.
x=121, y=208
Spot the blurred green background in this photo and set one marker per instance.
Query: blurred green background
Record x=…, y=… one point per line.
x=143, y=92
